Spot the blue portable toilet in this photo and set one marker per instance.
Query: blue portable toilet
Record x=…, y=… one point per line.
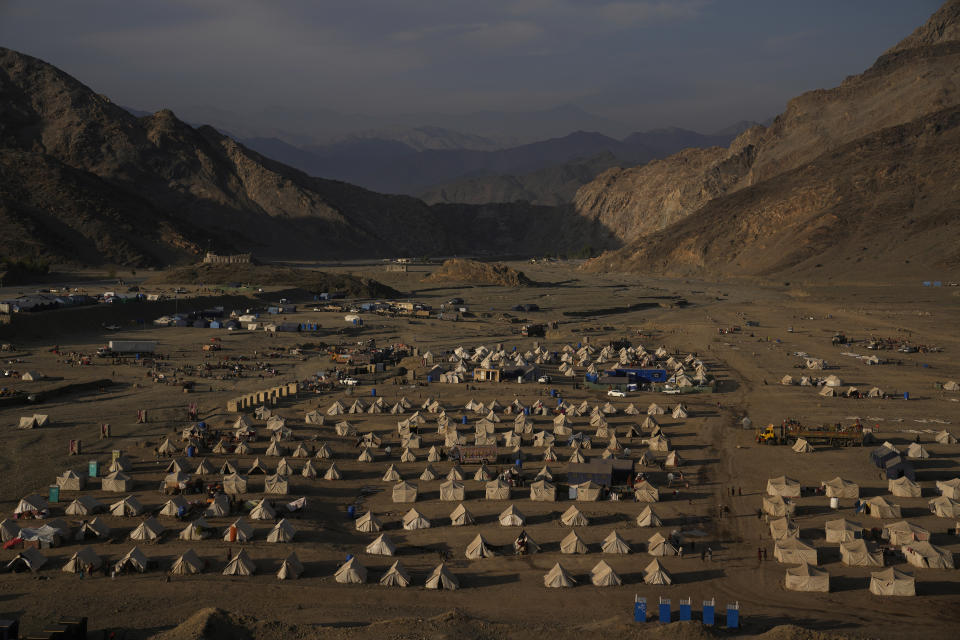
x=526, y=411
x=664, y=611
x=464, y=421
x=906, y=395
x=53, y=494
x=708, y=611
x=191, y=451
x=685, y=610
x=639, y=609
x=373, y=392
x=352, y=511
x=733, y=616
x=92, y=468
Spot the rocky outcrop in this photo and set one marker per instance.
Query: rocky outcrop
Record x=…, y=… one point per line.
x=460, y=271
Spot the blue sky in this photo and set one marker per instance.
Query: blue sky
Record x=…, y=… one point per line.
x=700, y=64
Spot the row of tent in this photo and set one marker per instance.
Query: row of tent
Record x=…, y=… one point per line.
x=888, y=582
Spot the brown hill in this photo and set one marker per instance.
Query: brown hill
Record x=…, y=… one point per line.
x=852, y=179
x=463, y=271
x=85, y=181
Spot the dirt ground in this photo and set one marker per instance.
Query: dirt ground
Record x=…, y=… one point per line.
x=504, y=596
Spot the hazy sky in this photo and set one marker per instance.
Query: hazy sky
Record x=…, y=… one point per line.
x=701, y=64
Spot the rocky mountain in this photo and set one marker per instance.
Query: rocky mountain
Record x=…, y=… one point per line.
x=84, y=180
x=858, y=179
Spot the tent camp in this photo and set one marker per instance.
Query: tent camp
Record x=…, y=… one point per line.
x=603, y=575
x=784, y=487
x=793, y=551
x=840, y=488
x=382, y=546
x=892, y=582
x=855, y=553
x=558, y=577
x=291, y=568
x=240, y=565
x=396, y=576
x=807, y=577
x=351, y=572
x=655, y=573
x=842, y=530
x=479, y=548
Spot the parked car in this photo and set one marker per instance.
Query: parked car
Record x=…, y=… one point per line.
x=616, y=393
x=544, y=379
x=671, y=390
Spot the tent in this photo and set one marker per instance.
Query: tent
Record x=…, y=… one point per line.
x=351, y=572
x=83, y=559
x=149, y=529
x=309, y=471
x=543, y=491
x=396, y=576
x=781, y=528
x=196, y=530
x=239, y=531
x=786, y=380
x=680, y=412
x=880, y=508
x=335, y=409
x=120, y=463
x=234, y=484
x=429, y=474
x=558, y=577
x=129, y=506
x=497, y=490
x=117, y=482
x=657, y=545
x=283, y=531
x=84, y=506
x=842, y=530
x=603, y=575
x=646, y=492
x=588, y=491
x=855, y=553
x=133, y=560
x=778, y=507
x=802, y=446
x=413, y=520
x=405, y=492
x=461, y=516
x=368, y=523
x=511, y=517
x=240, y=565
x=332, y=472
x=573, y=543
x=648, y=518
x=441, y=578
x=613, y=543
x=951, y=386
x=654, y=573
x=262, y=511
x=655, y=410
x=30, y=559
x=93, y=529
x=204, y=468
x=807, y=577
x=927, y=556
x=345, y=429
x=944, y=507
x=366, y=455
x=70, y=480
x=840, y=488
x=917, y=452
x=257, y=466
x=573, y=517
x=793, y=551
x=433, y=455
x=391, y=474
x=455, y=473
x=784, y=487
x=904, y=532
x=9, y=530
x=382, y=546
x=314, y=417
x=291, y=568
x=451, y=490
x=829, y=392
x=949, y=488
x=277, y=484
x=903, y=487
x=479, y=548
x=408, y=455
x=945, y=437
x=187, y=564
x=892, y=582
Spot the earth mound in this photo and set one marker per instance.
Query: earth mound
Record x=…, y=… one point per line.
x=460, y=270
x=271, y=275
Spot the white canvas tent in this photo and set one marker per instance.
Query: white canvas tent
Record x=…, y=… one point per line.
x=442, y=579
x=855, y=553
x=558, y=577
x=807, y=578
x=892, y=582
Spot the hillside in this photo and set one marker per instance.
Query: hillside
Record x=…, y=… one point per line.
x=85, y=181
x=461, y=271
x=859, y=179
x=273, y=275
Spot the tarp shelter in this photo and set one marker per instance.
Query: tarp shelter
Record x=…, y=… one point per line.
x=368, y=523
x=892, y=582
x=30, y=559
x=283, y=531
x=451, y=490
x=655, y=573
x=511, y=517
x=855, y=553
x=479, y=548
x=240, y=565
x=382, y=546
x=840, y=488
x=878, y=507
x=133, y=561
x=396, y=576
x=573, y=517
x=613, y=543
x=657, y=545
x=83, y=560
x=903, y=488
x=149, y=529
x=239, y=531
x=794, y=551
x=441, y=578
x=784, y=487
x=904, y=532
x=927, y=556
x=405, y=492
x=558, y=577
x=291, y=568
x=807, y=578
x=413, y=520
x=842, y=530
x=603, y=575
x=461, y=516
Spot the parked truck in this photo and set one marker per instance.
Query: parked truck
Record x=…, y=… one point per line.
x=789, y=431
x=127, y=348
